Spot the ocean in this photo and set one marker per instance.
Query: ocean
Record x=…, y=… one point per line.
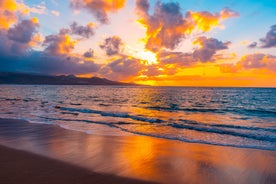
x=234, y=117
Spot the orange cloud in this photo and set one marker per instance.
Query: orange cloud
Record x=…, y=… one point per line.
x=205, y=21
x=8, y=12
x=167, y=26
x=210, y=75
x=36, y=40
x=7, y=19
x=224, y=81
x=227, y=13
x=62, y=43
x=252, y=62
x=99, y=8
x=9, y=5
x=59, y=44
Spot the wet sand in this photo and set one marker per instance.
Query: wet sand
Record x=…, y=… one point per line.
x=138, y=157
x=24, y=167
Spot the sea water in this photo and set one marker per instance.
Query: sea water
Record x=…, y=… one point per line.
x=238, y=117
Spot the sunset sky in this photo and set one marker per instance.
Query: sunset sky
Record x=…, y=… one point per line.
x=156, y=42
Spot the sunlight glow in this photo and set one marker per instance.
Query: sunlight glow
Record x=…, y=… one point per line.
x=148, y=56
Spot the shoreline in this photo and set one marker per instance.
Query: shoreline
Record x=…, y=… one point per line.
x=140, y=157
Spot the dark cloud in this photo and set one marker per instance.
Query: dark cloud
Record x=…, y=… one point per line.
x=99, y=8
x=18, y=49
x=122, y=68
x=23, y=31
x=55, y=59
x=112, y=45
x=208, y=47
x=252, y=45
x=167, y=26
x=270, y=38
x=79, y=30
x=16, y=55
x=40, y=62
x=17, y=42
x=143, y=6
x=19, y=39
x=178, y=58
x=19, y=36
x=84, y=31
x=5, y=43
x=64, y=31
x=89, y=53
x=257, y=61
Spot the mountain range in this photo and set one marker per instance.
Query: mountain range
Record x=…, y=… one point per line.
x=39, y=79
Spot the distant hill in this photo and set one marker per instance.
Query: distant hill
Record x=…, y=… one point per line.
x=22, y=78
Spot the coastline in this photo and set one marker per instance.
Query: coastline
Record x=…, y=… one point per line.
x=140, y=157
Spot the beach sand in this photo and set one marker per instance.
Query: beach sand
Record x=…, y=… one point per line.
x=57, y=155
x=24, y=167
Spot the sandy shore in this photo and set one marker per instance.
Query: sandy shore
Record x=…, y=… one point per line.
x=140, y=157
x=24, y=167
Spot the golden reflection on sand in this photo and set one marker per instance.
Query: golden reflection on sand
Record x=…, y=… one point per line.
x=144, y=157
x=138, y=155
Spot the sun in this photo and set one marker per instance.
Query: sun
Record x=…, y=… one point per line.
x=148, y=56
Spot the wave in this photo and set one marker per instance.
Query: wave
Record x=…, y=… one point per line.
x=234, y=110
x=170, y=109
x=112, y=114
x=256, y=112
x=76, y=104
x=229, y=126
x=173, y=137
x=202, y=141
x=188, y=124
x=223, y=131
x=112, y=124
x=11, y=99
